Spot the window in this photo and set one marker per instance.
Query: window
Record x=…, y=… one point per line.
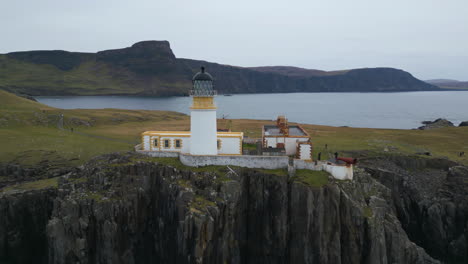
x=155, y=142
x=219, y=143
x=178, y=143
x=167, y=143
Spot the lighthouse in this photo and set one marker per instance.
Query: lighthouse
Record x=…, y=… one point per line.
x=203, y=139
x=204, y=145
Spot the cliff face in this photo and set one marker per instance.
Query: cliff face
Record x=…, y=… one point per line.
x=431, y=201
x=23, y=217
x=231, y=79
x=151, y=68
x=128, y=209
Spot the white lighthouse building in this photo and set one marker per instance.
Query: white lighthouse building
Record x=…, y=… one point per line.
x=203, y=139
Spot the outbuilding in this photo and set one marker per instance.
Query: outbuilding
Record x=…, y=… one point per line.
x=293, y=139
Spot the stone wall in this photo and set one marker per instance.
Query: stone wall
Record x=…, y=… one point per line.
x=307, y=165
x=252, y=161
x=159, y=154
x=263, y=162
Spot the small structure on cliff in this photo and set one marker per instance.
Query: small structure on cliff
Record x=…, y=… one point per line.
x=283, y=145
x=293, y=139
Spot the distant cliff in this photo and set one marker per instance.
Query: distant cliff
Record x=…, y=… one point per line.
x=151, y=68
x=449, y=84
x=132, y=209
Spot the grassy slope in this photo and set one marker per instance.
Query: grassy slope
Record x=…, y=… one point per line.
x=90, y=78
x=445, y=142
x=29, y=134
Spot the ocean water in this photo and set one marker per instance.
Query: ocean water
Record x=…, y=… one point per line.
x=375, y=110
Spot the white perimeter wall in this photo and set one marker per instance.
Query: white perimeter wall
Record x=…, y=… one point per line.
x=290, y=143
x=264, y=162
x=159, y=154
x=339, y=172
x=203, y=132
x=146, y=143
x=304, y=151
x=230, y=145
x=307, y=165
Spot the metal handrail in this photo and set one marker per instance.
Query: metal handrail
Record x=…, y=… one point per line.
x=202, y=93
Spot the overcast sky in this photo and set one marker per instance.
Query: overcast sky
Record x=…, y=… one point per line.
x=428, y=38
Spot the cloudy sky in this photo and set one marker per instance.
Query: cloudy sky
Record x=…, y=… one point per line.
x=428, y=38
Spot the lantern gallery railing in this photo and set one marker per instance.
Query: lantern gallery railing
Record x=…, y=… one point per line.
x=203, y=92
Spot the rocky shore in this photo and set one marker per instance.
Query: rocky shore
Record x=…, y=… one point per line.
x=125, y=208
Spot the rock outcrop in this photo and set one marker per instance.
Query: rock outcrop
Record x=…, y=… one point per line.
x=438, y=123
x=132, y=209
x=431, y=201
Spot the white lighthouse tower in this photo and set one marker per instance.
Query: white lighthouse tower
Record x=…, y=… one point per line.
x=203, y=139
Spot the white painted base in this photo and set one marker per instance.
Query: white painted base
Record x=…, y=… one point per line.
x=203, y=132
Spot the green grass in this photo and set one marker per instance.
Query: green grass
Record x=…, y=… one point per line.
x=367, y=212
x=29, y=133
x=34, y=185
x=220, y=171
x=96, y=196
x=248, y=146
x=444, y=142
x=312, y=178
x=199, y=203
x=29, y=145
x=89, y=78
x=184, y=183
x=278, y=172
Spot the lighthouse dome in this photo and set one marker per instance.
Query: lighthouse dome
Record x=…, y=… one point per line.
x=202, y=76
x=202, y=84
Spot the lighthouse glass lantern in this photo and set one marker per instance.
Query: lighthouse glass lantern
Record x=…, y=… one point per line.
x=203, y=138
x=202, y=84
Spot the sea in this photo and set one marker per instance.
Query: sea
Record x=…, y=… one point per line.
x=404, y=110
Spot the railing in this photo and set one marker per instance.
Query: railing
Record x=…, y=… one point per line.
x=203, y=93
x=251, y=140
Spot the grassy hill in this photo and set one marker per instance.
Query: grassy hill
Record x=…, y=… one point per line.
x=151, y=68
x=87, y=78
x=296, y=71
x=30, y=134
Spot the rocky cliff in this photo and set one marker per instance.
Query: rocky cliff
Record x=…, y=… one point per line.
x=151, y=68
x=431, y=201
x=131, y=209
